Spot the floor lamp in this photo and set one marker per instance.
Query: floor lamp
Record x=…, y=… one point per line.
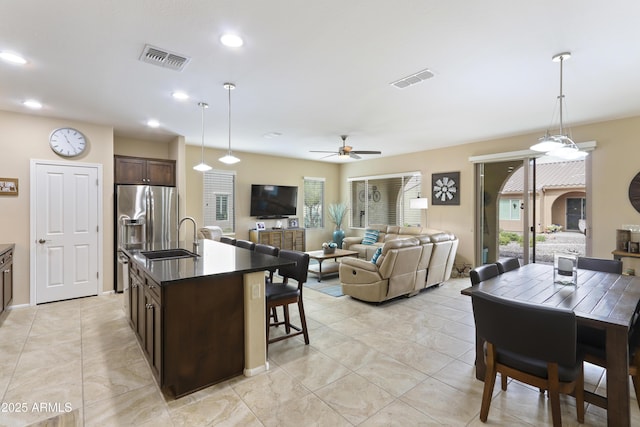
x=421, y=203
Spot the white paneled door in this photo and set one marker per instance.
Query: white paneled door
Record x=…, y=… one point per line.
x=66, y=232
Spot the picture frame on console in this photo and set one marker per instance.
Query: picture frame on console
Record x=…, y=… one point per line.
x=260, y=226
x=293, y=223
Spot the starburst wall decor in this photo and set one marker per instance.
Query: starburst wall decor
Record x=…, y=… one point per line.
x=445, y=188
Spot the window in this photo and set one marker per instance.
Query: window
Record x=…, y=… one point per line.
x=218, y=198
x=510, y=209
x=313, y=214
x=384, y=200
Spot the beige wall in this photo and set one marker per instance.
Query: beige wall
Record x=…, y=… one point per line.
x=141, y=148
x=259, y=169
x=26, y=137
x=614, y=164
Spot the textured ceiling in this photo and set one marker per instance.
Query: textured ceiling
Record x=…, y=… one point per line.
x=312, y=71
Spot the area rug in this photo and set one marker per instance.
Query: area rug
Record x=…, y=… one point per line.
x=330, y=287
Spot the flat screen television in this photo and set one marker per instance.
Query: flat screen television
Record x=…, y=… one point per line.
x=273, y=201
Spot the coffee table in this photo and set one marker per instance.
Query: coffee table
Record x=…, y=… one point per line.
x=320, y=256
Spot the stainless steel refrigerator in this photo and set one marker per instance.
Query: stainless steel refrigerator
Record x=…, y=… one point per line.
x=145, y=216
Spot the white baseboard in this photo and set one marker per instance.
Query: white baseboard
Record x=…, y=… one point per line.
x=257, y=370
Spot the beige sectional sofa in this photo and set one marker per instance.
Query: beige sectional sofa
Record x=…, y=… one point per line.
x=412, y=259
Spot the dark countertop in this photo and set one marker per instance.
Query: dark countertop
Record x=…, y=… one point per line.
x=4, y=247
x=216, y=259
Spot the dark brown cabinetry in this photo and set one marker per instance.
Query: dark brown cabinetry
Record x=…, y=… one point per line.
x=145, y=315
x=137, y=170
x=191, y=332
x=289, y=238
x=6, y=279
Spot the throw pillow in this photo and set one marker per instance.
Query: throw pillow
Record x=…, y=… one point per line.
x=370, y=237
x=376, y=255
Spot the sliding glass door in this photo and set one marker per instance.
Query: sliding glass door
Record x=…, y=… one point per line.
x=530, y=208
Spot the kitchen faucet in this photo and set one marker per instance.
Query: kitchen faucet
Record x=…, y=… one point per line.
x=195, y=237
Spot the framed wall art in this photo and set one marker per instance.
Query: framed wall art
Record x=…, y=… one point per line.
x=445, y=188
x=8, y=186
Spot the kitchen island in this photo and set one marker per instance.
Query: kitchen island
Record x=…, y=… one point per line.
x=200, y=320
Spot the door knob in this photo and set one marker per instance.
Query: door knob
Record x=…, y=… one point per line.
x=43, y=241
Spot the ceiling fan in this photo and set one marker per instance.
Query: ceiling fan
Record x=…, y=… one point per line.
x=347, y=150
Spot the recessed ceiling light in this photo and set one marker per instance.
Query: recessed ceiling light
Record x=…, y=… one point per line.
x=180, y=96
x=33, y=104
x=272, y=135
x=153, y=123
x=13, y=58
x=231, y=40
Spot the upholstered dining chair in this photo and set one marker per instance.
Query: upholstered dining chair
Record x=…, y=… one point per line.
x=285, y=293
x=483, y=272
x=599, y=264
x=592, y=343
x=228, y=240
x=538, y=347
x=246, y=244
x=507, y=264
x=273, y=251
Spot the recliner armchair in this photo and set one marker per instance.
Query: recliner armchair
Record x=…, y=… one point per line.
x=393, y=274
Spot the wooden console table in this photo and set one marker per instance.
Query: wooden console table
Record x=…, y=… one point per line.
x=617, y=254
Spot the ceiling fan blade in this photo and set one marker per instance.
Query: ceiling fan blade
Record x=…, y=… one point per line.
x=366, y=152
x=330, y=155
x=317, y=151
x=353, y=155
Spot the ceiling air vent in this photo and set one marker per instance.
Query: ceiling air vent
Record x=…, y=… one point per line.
x=163, y=58
x=418, y=77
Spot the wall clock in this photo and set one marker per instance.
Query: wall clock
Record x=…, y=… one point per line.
x=445, y=188
x=67, y=142
x=634, y=192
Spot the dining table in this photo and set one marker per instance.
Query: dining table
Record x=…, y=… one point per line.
x=600, y=300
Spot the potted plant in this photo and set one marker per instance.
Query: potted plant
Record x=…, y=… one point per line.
x=337, y=213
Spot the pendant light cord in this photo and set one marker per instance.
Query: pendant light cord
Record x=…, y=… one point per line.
x=561, y=96
x=229, y=87
x=203, y=107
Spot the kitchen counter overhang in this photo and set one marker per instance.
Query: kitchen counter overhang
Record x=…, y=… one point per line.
x=214, y=259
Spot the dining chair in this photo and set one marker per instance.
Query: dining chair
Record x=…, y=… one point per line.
x=228, y=240
x=246, y=244
x=483, y=272
x=531, y=343
x=592, y=343
x=285, y=293
x=507, y=264
x=599, y=264
x=273, y=251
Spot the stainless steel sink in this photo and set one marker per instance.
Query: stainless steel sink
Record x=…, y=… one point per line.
x=169, y=254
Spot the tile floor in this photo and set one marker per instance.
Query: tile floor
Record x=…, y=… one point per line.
x=404, y=363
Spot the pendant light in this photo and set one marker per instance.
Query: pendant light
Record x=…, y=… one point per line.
x=559, y=145
x=202, y=167
x=229, y=159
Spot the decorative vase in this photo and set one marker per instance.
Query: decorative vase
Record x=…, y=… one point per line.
x=338, y=235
